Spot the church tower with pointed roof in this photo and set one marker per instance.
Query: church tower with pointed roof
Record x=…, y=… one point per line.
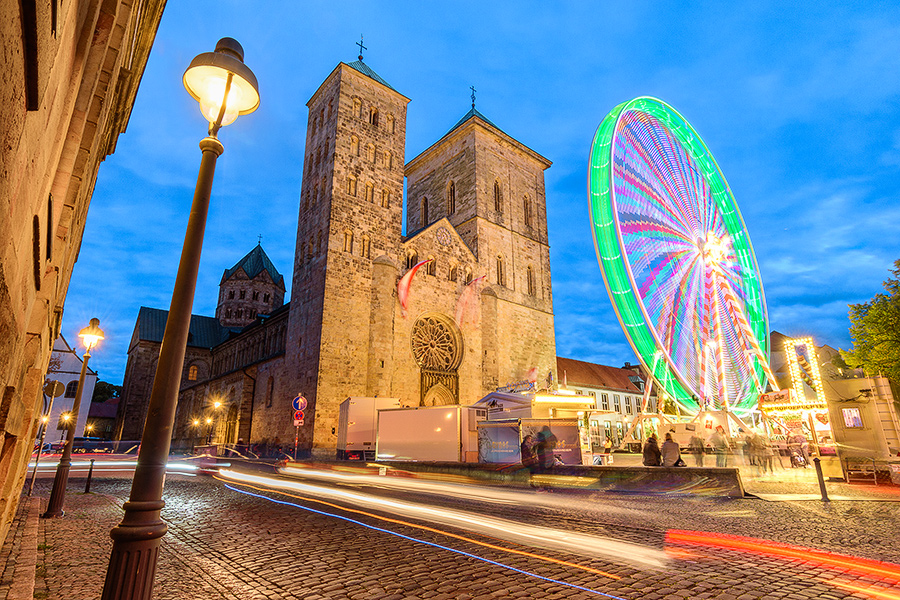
x=250, y=288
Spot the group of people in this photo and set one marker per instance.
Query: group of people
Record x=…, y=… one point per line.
x=537, y=451
x=757, y=449
x=669, y=455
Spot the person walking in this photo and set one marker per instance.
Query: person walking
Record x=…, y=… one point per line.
x=670, y=452
x=546, y=443
x=607, y=446
x=529, y=457
x=695, y=447
x=652, y=453
x=719, y=443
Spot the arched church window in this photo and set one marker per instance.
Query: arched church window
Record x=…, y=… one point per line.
x=322, y=187
x=314, y=126
x=357, y=107
x=265, y=297
x=256, y=295
x=501, y=275
x=322, y=117
x=373, y=116
x=529, y=275
x=319, y=243
x=390, y=123
x=526, y=207
x=330, y=106
x=354, y=145
x=227, y=313
x=315, y=194
x=423, y=214
x=431, y=268
x=388, y=159
x=454, y=272
x=351, y=185
x=370, y=192
x=240, y=313
x=412, y=258
x=71, y=389
x=468, y=275
x=385, y=199
x=243, y=294
x=348, y=241
x=365, y=247
x=310, y=249
x=231, y=294
x=270, y=388
x=451, y=198
x=192, y=373
x=370, y=152
x=498, y=197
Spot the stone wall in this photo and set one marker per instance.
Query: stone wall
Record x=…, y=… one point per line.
x=67, y=87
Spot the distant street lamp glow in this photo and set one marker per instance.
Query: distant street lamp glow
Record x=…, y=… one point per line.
x=225, y=88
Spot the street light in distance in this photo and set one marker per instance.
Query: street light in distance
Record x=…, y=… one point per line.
x=90, y=336
x=225, y=88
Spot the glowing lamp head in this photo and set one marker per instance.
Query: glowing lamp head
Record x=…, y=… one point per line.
x=45, y=418
x=223, y=85
x=91, y=334
x=66, y=417
x=196, y=422
x=89, y=427
x=209, y=420
x=217, y=404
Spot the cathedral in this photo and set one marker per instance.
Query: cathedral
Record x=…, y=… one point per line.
x=479, y=314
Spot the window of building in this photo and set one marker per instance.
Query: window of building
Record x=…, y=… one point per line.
x=628, y=409
x=243, y=294
x=617, y=403
x=36, y=251
x=529, y=276
x=192, y=373
x=357, y=107
x=454, y=272
x=49, y=254
x=348, y=241
x=620, y=432
x=385, y=199
x=412, y=258
x=370, y=192
x=423, y=214
x=231, y=294
x=501, y=275
x=468, y=275
x=351, y=185
x=319, y=243
x=322, y=188
x=240, y=313
x=71, y=389
x=637, y=405
x=498, y=197
x=526, y=207
x=354, y=145
x=270, y=388
x=366, y=248
x=604, y=401
x=330, y=106
x=431, y=268
x=227, y=313
x=315, y=194
x=256, y=295
x=607, y=429
x=265, y=297
x=373, y=116
x=370, y=152
x=852, y=417
x=451, y=198
x=390, y=123
x=311, y=249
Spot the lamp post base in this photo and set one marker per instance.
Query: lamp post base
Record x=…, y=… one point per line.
x=136, y=543
x=58, y=495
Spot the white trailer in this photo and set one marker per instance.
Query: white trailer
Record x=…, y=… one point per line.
x=429, y=433
x=357, y=425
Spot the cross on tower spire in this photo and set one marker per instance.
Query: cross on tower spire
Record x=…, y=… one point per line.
x=361, y=47
x=473, y=95
x=260, y=240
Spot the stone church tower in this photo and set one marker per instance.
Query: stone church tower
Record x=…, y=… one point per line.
x=251, y=287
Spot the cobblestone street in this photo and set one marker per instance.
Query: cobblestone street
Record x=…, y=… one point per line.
x=224, y=543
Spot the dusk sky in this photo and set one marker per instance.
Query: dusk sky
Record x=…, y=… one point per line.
x=799, y=104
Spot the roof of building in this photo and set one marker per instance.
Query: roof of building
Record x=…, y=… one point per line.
x=255, y=262
x=475, y=113
x=577, y=372
x=205, y=332
x=368, y=72
x=104, y=410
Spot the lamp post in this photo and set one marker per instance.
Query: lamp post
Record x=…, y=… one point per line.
x=209, y=423
x=90, y=335
x=225, y=88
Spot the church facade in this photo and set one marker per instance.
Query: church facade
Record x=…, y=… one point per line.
x=479, y=312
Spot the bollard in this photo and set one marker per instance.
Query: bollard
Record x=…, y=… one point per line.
x=87, y=485
x=821, y=479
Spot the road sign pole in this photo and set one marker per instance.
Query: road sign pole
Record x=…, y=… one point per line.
x=296, y=441
x=40, y=448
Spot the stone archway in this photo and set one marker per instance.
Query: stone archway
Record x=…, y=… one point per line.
x=437, y=348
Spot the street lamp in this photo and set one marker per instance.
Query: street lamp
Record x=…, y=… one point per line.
x=209, y=423
x=225, y=88
x=90, y=335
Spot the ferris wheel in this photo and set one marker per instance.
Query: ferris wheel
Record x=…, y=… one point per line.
x=676, y=259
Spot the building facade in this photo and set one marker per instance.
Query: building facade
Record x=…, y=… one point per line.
x=65, y=367
x=70, y=72
x=478, y=315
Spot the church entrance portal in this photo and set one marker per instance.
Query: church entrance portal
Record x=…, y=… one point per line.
x=437, y=349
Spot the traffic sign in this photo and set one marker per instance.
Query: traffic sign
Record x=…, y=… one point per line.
x=299, y=403
x=53, y=388
x=298, y=418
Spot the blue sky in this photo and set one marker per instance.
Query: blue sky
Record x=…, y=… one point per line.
x=800, y=105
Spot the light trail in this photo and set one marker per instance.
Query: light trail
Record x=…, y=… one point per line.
x=590, y=546
x=438, y=531
x=874, y=592
x=456, y=490
x=427, y=543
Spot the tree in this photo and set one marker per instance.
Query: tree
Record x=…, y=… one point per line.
x=875, y=328
x=103, y=391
